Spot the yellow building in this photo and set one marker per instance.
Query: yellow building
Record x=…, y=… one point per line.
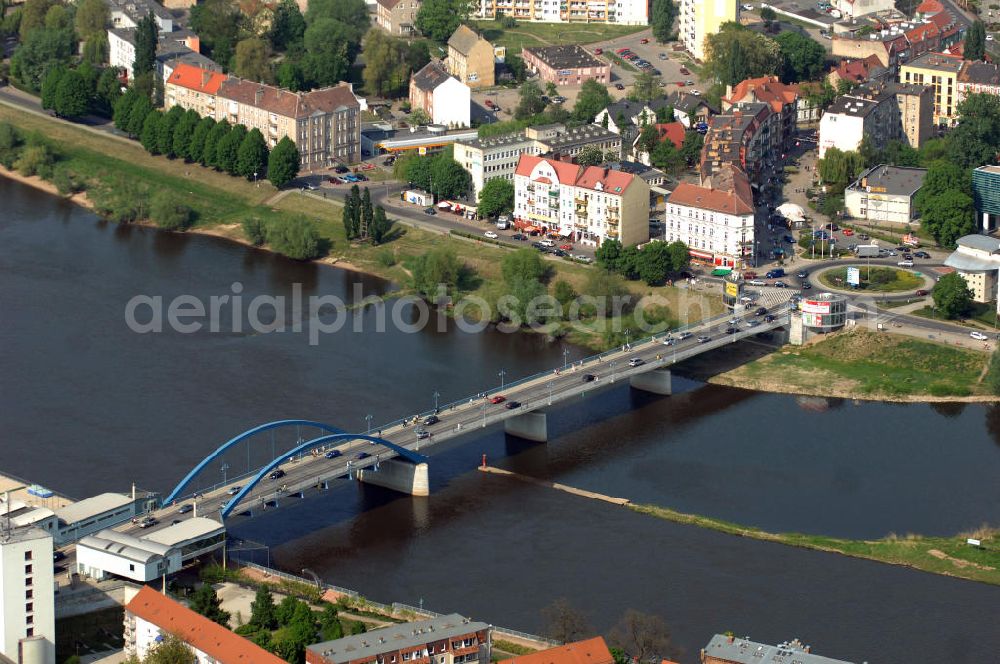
x=701, y=18
x=940, y=72
x=470, y=58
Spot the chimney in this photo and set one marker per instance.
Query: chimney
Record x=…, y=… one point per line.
x=258, y=96
x=205, y=75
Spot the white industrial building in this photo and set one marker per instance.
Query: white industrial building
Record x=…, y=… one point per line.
x=885, y=194
x=977, y=260
x=96, y=513
x=27, y=595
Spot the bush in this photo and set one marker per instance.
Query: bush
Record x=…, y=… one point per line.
x=255, y=231
x=296, y=238
x=170, y=214
x=386, y=258
x=35, y=160
x=66, y=181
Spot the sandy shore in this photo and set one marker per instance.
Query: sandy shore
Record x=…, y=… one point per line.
x=834, y=393
x=46, y=186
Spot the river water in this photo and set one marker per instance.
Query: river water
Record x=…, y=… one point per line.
x=87, y=405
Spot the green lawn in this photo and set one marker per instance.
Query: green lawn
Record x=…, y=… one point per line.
x=544, y=34
x=877, y=280
x=980, y=313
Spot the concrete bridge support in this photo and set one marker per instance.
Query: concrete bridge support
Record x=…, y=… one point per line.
x=657, y=381
x=530, y=426
x=398, y=475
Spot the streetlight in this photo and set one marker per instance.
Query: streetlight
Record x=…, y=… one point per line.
x=565, y=357
x=484, y=414
x=225, y=467
x=502, y=373
x=612, y=363
x=369, y=419
x=255, y=178
x=436, y=395
x=628, y=333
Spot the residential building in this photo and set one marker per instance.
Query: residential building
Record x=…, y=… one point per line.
x=128, y=13
x=446, y=100
x=855, y=8
x=732, y=650
x=452, y=639
x=701, y=18
x=885, y=194
x=397, y=17
x=587, y=204
x=941, y=73
x=784, y=100
x=978, y=77
x=497, y=156
x=690, y=110
x=855, y=71
x=27, y=595
x=621, y=12
x=172, y=48
x=715, y=219
x=896, y=43
x=880, y=112
x=150, y=616
x=749, y=135
x=471, y=58
x=565, y=65
x=667, y=131
x=626, y=117
x=977, y=260
x=193, y=88
x=590, y=651
x=986, y=195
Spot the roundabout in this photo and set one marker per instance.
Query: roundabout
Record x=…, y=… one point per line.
x=874, y=279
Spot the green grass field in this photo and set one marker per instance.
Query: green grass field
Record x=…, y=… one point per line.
x=545, y=34
x=877, y=280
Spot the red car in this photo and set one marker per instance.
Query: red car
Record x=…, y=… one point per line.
x=644, y=40
x=621, y=50
x=498, y=399
x=598, y=51
x=848, y=232
x=566, y=247
x=490, y=104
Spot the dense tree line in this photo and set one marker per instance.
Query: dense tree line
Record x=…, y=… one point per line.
x=361, y=220
x=654, y=263
x=439, y=174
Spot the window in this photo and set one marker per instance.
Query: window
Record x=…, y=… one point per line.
x=27, y=569
x=30, y=631
x=29, y=607
x=29, y=620
x=27, y=555
x=29, y=594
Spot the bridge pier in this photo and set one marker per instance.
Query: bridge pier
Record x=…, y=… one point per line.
x=530, y=426
x=657, y=381
x=398, y=475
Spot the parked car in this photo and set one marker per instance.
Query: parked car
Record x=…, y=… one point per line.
x=780, y=284
x=921, y=254
x=430, y=211
x=547, y=243
x=498, y=399
x=619, y=51
x=340, y=168
x=566, y=247
x=923, y=292
x=663, y=56
x=583, y=259
x=558, y=99
x=636, y=362
x=685, y=71
x=491, y=235
x=431, y=419
x=619, y=86
x=511, y=405
x=333, y=454
x=978, y=336
x=276, y=474
x=644, y=40
x=519, y=237
x=598, y=51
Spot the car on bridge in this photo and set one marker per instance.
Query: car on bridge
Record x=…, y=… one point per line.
x=769, y=318
x=636, y=362
x=704, y=339
x=431, y=419
x=185, y=509
x=511, y=405
x=422, y=434
x=233, y=490
x=753, y=322
x=589, y=378
x=761, y=311
x=669, y=341
x=498, y=399
x=363, y=455
x=684, y=335
x=148, y=522
x=732, y=329
x=333, y=454
x=276, y=474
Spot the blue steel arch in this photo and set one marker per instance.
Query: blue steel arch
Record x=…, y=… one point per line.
x=409, y=455
x=238, y=439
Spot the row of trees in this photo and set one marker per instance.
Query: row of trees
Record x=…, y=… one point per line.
x=736, y=53
x=72, y=93
x=361, y=221
x=654, y=263
x=945, y=202
x=439, y=174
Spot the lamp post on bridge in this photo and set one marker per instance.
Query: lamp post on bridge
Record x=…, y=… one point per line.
x=436, y=396
x=628, y=333
x=224, y=468
x=502, y=373
x=612, y=363
x=368, y=418
x=565, y=357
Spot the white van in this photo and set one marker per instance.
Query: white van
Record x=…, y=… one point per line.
x=503, y=222
x=757, y=282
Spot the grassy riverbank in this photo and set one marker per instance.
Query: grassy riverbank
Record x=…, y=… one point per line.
x=861, y=363
x=950, y=556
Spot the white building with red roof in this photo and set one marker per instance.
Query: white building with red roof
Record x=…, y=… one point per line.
x=715, y=219
x=586, y=204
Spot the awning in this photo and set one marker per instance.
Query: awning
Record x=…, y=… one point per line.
x=701, y=254
x=792, y=212
x=444, y=205
x=721, y=272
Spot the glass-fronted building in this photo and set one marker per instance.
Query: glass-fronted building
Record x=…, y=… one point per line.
x=986, y=193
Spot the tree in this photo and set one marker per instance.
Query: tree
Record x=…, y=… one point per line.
x=96, y=49
x=108, y=89
x=530, y=102
x=803, y=58
x=900, y=153
x=645, y=87
x=288, y=26
x=283, y=163
x=296, y=238
x=608, y=254
x=643, y=636
x=58, y=18
x=949, y=216
x=522, y=264
x=387, y=70
x=438, y=19
x=655, y=263
x=564, y=622
x=228, y=149
x=91, y=19
x=380, y=226
x=49, y=86
x=251, y=158
x=952, y=296
x=768, y=15
x=123, y=110
x=736, y=53
x=667, y=158
x=691, y=148
x=33, y=15
x=206, y=602
x=262, y=610
x=217, y=23
x=993, y=375
x=72, y=97
x=255, y=231
x=593, y=99
x=165, y=132
x=662, y=20
x=592, y=155
x=649, y=138
x=942, y=176
x=211, y=148
x=172, y=215
x=290, y=75
x=351, y=214
x=146, y=36
x=196, y=148
x=328, y=51
x=450, y=179
x=137, y=115
x=438, y=267
x=367, y=214
x=496, y=198
x=38, y=52
x=183, y=133
x=680, y=257
x=171, y=650
x=252, y=60
x=352, y=13
x=838, y=168
x=976, y=139
x=975, y=41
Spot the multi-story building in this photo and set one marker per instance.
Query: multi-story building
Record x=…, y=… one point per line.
x=565, y=65
x=690, y=110
x=128, y=13
x=452, y=639
x=941, y=73
x=881, y=113
x=897, y=43
x=397, y=17
x=151, y=616
x=977, y=260
x=978, y=78
x=749, y=135
x=622, y=12
x=855, y=71
x=885, y=194
x=172, y=48
x=855, y=8
x=627, y=117
x=471, y=58
x=986, y=195
x=784, y=99
x=587, y=204
x=27, y=595
x=715, y=219
x=193, y=88
x=497, y=156
x=446, y=100
x=732, y=650
x=591, y=651
x=699, y=19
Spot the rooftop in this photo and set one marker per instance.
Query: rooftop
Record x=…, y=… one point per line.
x=767, y=89
x=745, y=651
x=465, y=38
x=91, y=507
x=124, y=545
x=736, y=198
x=186, y=530
x=196, y=78
x=22, y=535
x=850, y=105
x=396, y=637
x=287, y=103
x=980, y=242
x=891, y=180
x=569, y=56
x=431, y=76
x=936, y=62
x=994, y=170
x=577, y=135
x=591, y=651
x=219, y=643
x=980, y=73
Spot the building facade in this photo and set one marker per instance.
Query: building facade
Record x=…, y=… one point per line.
x=880, y=112
x=717, y=224
x=854, y=8
x=193, y=88
x=940, y=72
x=471, y=58
x=700, y=18
x=397, y=17
x=622, y=12
x=986, y=195
x=784, y=100
x=446, y=100
x=27, y=596
x=451, y=639
x=587, y=205
x=977, y=260
x=750, y=136
x=885, y=194
x=565, y=65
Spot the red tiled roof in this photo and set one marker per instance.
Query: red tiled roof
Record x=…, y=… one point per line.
x=610, y=181
x=942, y=20
x=591, y=651
x=196, y=630
x=674, y=131
x=922, y=32
x=285, y=102
x=543, y=180
x=767, y=89
x=566, y=172
x=707, y=198
x=930, y=7
x=196, y=78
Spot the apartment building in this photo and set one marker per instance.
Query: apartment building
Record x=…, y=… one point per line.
x=590, y=651
x=750, y=135
x=724, y=649
x=700, y=18
x=172, y=48
x=446, y=100
x=690, y=110
x=880, y=112
x=854, y=8
x=27, y=595
x=450, y=638
x=397, y=17
x=497, y=156
x=565, y=65
x=193, y=88
x=978, y=78
x=783, y=98
x=586, y=204
x=856, y=71
x=897, y=43
x=714, y=219
x=626, y=117
x=885, y=194
x=940, y=72
x=622, y=12
x=470, y=58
